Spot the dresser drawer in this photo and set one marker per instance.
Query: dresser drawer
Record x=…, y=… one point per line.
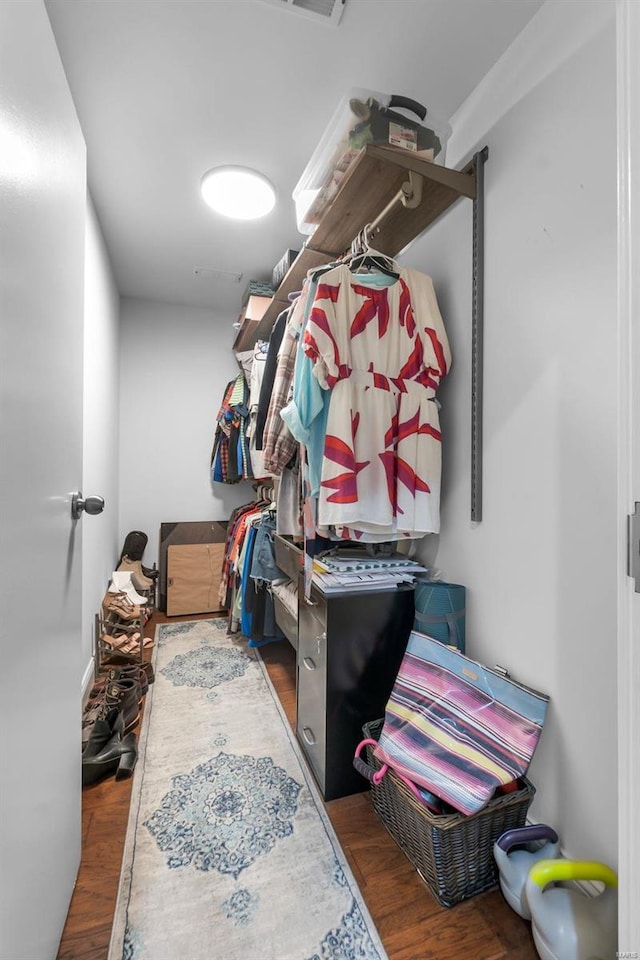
x=312, y=688
x=313, y=742
x=312, y=662
x=289, y=556
x=311, y=716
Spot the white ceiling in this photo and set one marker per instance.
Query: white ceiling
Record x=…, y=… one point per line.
x=166, y=89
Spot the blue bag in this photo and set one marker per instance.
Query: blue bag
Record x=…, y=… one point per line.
x=440, y=612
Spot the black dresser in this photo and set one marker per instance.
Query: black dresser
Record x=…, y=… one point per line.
x=349, y=651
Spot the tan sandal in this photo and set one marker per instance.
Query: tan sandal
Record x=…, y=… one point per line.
x=120, y=605
x=126, y=643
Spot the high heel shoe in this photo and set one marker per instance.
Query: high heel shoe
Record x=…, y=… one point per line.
x=126, y=643
x=120, y=605
x=118, y=755
x=134, y=567
x=128, y=757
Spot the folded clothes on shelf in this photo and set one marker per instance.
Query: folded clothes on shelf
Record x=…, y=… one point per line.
x=287, y=593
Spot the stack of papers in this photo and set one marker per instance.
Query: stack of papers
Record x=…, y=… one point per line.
x=334, y=574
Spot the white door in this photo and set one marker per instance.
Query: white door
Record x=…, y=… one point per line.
x=628, y=29
x=42, y=209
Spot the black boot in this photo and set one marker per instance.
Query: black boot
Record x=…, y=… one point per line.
x=112, y=724
x=134, y=545
x=118, y=755
x=123, y=695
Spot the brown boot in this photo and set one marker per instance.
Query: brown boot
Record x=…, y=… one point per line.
x=132, y=672
x=124, y=694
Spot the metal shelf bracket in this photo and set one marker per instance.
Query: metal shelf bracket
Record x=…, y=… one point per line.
x=477, y=336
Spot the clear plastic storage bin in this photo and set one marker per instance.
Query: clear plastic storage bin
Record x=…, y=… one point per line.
x=363, y=117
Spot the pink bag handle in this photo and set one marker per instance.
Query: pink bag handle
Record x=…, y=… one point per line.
x=375, y=776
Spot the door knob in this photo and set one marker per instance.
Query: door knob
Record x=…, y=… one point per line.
x=90, y=505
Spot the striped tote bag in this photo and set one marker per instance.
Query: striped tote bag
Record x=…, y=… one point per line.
x=457, y=728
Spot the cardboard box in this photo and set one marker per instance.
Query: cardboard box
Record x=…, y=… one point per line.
x=194, y=571
x=200, y=531
x=282, y=267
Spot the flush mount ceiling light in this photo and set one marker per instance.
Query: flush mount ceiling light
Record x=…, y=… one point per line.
x=238, y=192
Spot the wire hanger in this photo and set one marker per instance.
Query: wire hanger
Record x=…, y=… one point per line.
x=366, y=256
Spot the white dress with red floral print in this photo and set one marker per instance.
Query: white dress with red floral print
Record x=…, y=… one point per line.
x=382, y=351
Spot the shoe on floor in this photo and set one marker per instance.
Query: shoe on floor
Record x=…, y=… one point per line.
x=123, y=694
x=100, y=759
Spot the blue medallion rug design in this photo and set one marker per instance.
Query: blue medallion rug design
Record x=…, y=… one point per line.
x=229, y=853
x=225, y=814
x=206, y=667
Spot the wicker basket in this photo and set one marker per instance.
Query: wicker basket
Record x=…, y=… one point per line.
x=453, y=853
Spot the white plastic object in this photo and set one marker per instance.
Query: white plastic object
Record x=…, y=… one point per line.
x=361, y=118
x=515, y=852
x=568, y=924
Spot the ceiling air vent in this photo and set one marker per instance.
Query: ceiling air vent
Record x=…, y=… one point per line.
x=328, y=11
x=212, y=273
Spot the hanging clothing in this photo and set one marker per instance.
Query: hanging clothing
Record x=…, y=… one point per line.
x=289, y=513
x=236, y=529
x=245, y=359
x=278, y=443
x=230, y=458
x=253, y=608
x=241, y=609
x=259, y=598
x=249, y=569
x=306, y=413
x=266, y=388
x=381, y=352
x=220, y=451
x=258, y=364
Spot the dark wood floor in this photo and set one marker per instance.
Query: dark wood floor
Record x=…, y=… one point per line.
x=412, y=925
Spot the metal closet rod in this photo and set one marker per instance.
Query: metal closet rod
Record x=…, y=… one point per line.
x=409, y=195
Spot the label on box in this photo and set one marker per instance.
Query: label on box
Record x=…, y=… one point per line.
x=404, y=137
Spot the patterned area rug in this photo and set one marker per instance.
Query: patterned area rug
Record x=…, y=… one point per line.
x=229, y=854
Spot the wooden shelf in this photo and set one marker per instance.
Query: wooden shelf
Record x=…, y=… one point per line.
x=372, y=181
x=252, y=314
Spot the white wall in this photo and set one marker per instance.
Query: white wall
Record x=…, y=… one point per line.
x=541, y=567
x=100, y=435
x=175, y=362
